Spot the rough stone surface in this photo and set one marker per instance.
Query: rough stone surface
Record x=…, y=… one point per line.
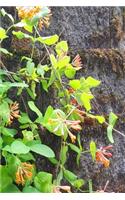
x=98, y=34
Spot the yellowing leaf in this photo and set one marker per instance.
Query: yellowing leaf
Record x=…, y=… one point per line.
x=85, y=98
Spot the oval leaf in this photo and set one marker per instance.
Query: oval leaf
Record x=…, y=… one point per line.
x=43, y=150
x=19, y=147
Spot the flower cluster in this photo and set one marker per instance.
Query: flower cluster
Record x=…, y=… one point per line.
x=28, y=12
x=24, y=173
x=14, y=112
x=102, y=155
x=77, y=63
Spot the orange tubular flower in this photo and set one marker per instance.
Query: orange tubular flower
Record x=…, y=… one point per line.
x=72, y=137
x=77, y=62
x=45, y=21
x=30, y=11
x=74, y=125
x=101, y=155
x=24, y=173
x=14, y=111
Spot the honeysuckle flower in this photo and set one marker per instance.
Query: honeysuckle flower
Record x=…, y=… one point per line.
x=24, y=173
x=56, y=189
x=77, y=62
x=102, y=155
x=72, y=137
x=45, y=21
x=30, y=11
x=27, y=12
x=71, y=90
x=14, y=112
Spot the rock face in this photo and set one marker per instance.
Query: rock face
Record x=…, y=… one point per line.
x=98, y=35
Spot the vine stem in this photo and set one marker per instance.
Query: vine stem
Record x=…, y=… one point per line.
x=119, y=132
x=55, y=72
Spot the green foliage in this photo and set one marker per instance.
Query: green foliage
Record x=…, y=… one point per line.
x=43, y=182
x=112, y=120
x=48, y=40
x=43, y=150
x=2, y=33
x=22, y=127
x=93, y=149
x=6, y=180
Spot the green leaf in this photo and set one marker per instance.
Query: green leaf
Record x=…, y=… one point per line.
x=75, y=84
x=48, y=113
x=24, y=118
x=85, y=98
x=48, y=40
x=7, y=148
x=61, y=47
x=70, y=176
x=7, y=139
x=11, y=189
x=5, y=51
x=53, y=60
x=34, y=108
x=41, y=69
x=30, y=189
x=6, y=180
x=2, y=33
x=74, y=148
x=59, y=177
x=27, y=135
x=12, y=164
x=78, y=183
x=43, y=182
x=9, y=131
x=109, y=133
x=51, y=79
x=5, y=111
x=112, y=119
x=92, y=82
x=1, y=142
x=93, y=149
x=56, y=124
x=4, y=13
x=70, y=72
x=43, y=150
x=99, y=118
x=24, y=24
x=21, y=35
x=63, y=62
x=26, y=157
x=19, y=147
x=44, y=85
x=63, y=154
x=53, y=161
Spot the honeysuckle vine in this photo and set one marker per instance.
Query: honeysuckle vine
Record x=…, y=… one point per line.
x=19, y=173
